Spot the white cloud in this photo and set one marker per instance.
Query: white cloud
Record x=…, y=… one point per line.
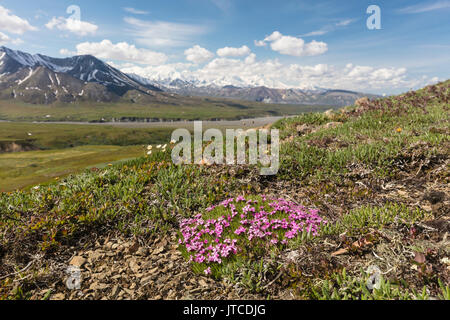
x=158, y=73
x=315, y=48
x=274, y=74
x=329, y=28
x=426, y=7
x=260, y=43
x=66, y=52
x=163, y=33
x=234, y=52
x=121, y=51
x=12, y=23
x=3, y=38
x=81, y=28
x=17, y=41
x=135, y=11
x=344, y=23
x=320, y=32
x=197, y=54
x=293, y=46
x=250, y=59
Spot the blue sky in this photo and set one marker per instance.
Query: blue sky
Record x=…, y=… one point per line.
x=280, y=43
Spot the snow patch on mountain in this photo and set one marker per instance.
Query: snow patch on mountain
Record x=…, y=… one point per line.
x=19, y=82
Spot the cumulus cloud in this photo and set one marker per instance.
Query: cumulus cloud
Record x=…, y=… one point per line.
x=374, y=77
x=250, y=59
x=163, y=33
x=66, y=52
x=4, y=39
x=272, y=73
x=294, y=46
x=197, y=54
x=158, y=73
x=17, y=41
x=121, y=51
x=81, y=28
x=234, y=52
x=260, y=43
x=12, y=23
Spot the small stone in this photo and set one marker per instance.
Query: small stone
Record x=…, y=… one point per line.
x=98, y=286
x=58, y=296
x=182, y=275
x=158, y=250
x=434, y=197
x=128, y=291
x=77, y=261
x=96, y=255
x=362, y=102
x=115, y=291
x=146, y=280
x=134, y=267
x=142, y=251
x=171, y=295
x=100, y=276
x=333, y=125
x=329, y=113
x=108, y=245
x=195, y=290
x=303, y=129
x=134, y=248
x=154, y=270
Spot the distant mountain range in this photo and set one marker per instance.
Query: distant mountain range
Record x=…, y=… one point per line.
x=313, y=96
x=40, y=79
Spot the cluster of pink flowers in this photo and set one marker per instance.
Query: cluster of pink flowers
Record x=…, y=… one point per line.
x=212, y=240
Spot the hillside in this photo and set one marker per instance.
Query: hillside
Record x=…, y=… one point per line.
x=367, y=186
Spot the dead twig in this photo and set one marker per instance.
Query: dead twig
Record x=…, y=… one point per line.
x=17, y=272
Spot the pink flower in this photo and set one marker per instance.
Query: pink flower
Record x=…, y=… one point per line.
x=240, y=231
x=252, y=220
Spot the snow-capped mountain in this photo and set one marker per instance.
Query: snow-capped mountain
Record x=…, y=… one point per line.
x=42, y=79
x=305, y=95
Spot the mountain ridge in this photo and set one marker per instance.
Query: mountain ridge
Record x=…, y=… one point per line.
x=40, y=79
x=312, y=96
x=43, y=80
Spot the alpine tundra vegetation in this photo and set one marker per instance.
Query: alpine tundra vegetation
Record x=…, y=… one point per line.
x=358, y=210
